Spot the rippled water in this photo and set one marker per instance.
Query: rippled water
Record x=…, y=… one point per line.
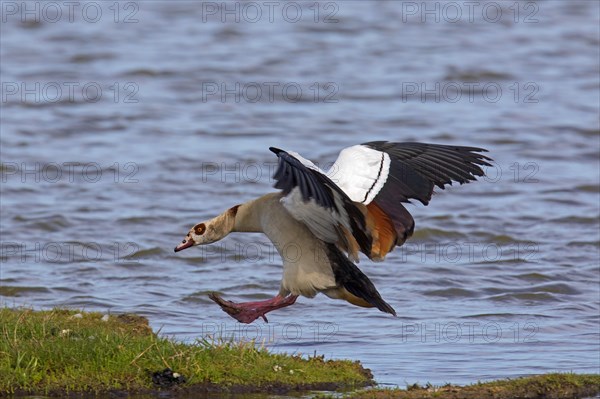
x=118, y=136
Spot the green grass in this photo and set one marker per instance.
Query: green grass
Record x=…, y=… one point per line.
x=63, y=352
x=57, y=352
x=547, y=386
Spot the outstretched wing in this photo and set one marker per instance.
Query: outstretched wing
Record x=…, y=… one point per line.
x=373, y=179
x=382, y=175
x=412, y=169
x=312, y=198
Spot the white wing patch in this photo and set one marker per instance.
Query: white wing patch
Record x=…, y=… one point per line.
x=361, y=172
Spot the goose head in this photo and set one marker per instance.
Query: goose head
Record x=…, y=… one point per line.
x=210, y=231
x=202, y=233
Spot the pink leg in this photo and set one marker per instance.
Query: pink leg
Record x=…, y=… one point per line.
x=247, y=312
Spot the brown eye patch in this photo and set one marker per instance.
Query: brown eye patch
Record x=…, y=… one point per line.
x=199, y=229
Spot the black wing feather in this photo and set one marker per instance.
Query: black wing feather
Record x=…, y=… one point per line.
x=292, y=173
x=416, y=167
x=355, y=281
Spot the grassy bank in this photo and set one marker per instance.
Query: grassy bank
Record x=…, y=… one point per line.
x=63, y=352
x=547, y=386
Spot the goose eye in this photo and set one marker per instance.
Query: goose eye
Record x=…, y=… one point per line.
x=199, y=229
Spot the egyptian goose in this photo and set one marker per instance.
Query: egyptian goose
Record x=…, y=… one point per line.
x=355, y=206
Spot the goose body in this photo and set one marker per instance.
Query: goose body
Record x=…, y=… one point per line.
x=305, y=271
x=320, y=221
